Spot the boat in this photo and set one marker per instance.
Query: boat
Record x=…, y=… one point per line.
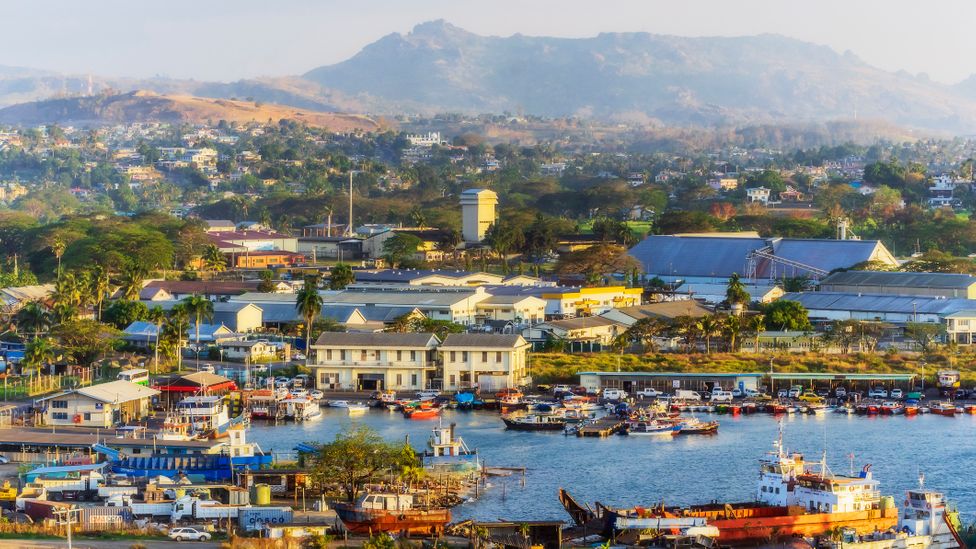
x=356, y=409
x=339, y=403
x=695, y=426
x=383, y=398
x=892, y=409
x=943, y=408
x=421, y=413
x=534, y=422
x=301, y=409
x=652, y=427
x=970, y=409
x=447, y=452
x=263, y=403
x=208, y=415
x=388, y=512
x=911, y=410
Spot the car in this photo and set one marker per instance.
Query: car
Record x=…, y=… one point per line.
x=738, y=393
x=750, y=393
x=316, y=394
x=896, y=393
x=299, y=393
x=282, y=383
x=648, y=393
x=811, y=397
x=562, y=390
x=878, y=392
x=207, y=368
x=840, y=392
x=580, y=390
x=188, y=534
x=544, y=388
x=298, y=356
x=782, y=393
x=823, y=392
x=614, y=394
x=795, y=391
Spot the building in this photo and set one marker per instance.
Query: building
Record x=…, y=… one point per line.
x=457, y=305
x=247, y=351
x=101, y=406
x=571, y=302
x=520, y=309
x=428, y=139
x=239, y=317
x=430, y=248
x=583, y=334
x=724, y=183
x=220, y=225
x=713, y=258
x=668, y=382
x=665, y=311
x=341, y=248
x=13, y=298
x=489, y=362
x=960, y=327
x=266, y=259
x=713, y=293
x=477, y=214
x=758, y=194
x=895, y=309
x=897, y=283
x=373, y=361
x=237, y=242
x=214, y=290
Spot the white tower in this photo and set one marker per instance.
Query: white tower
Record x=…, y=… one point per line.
x=477, y=213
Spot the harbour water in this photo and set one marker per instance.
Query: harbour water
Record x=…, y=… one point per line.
x=625, y=471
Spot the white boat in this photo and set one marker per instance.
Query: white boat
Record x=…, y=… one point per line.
x=339, y=403
x=206, y=414
x=301, y=409
x=654, y=428
x=354, y=409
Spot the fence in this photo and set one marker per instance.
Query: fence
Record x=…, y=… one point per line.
x=40, y=384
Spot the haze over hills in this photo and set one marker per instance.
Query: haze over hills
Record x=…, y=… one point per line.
x=640, y=77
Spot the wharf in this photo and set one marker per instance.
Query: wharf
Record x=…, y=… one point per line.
x=602, y=427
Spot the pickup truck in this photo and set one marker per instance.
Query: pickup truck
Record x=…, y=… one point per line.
x=614, y=394
x=648, y=393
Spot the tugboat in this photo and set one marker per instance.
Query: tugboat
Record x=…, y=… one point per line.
x=385, y=512
x=534, y=422
x=793, y=500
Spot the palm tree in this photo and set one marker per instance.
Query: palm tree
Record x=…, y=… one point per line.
x=308, y=301
x=644, y=331
x=57, y=247
x=156, y=315
x=33, y=318
x=175, y=328
x=736, y=294
x=202, y=309
x=757, y=325
x=68, y=291
x=731, y=327
x=213, y=259
x=130, y=282
x=98, y=287
x=38, y=352
x=707, y=326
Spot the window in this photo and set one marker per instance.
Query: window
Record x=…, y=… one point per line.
x=498, y=356
x=484, y=356
x=399, y=356
x=452, y=380
x=413, y=380
x=413, y=356
x=453, y=357
x=99, y=405
x=328, y=354
x=342, y=355
x=87, y=416
x=63, y=415
x=399, y=379
x=464, y=356
x=59, y=404
x=362, y=354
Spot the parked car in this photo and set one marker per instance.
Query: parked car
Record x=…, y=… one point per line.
x=299, y=393
x=878, y=392
x=782, y=393
x=282, y=382
x=813, y=398
x=298, y=356
x=188, y=534
x=737, y=393
x=316, y=394
x=562, y=390
x=796, y=391
x=648, y=393
x=823, y=392
x=896, y=393
x=840, y=392
x=750, y=393
x=207, y=368
x=614, y=394
x=580, y=390
x=260, y=369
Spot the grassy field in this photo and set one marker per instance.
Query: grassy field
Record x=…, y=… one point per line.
x=564, y=368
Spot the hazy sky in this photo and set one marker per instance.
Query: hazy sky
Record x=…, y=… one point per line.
x=231, y=39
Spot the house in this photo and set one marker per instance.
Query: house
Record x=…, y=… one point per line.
x=665, y=311
x=237, y=242
x=960, y=327
x=898, y=283
x=342, y=248
x=100, y=406
x=585, y=333
x=219, y=225
x=430, y=247
x=266, y=259
x=241, y=318
x=373, y=361
x=13, y=298
x=457, y=305
x=487, y=361
x=520, y=309
x=724, y=184
x=758, y=194
x=214, y=290
x=247, y=351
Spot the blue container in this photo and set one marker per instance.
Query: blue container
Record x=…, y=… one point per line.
x=256, y=518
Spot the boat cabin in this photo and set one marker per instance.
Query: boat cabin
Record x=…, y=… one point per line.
x=386, y=502
x=204, y=412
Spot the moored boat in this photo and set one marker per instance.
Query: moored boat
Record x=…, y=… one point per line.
x=943, y=408
x=380, y=512
x=534, y=422
x=421, y=413
x=652, y=427
x=695, y=426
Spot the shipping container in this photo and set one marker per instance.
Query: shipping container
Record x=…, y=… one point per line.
x=105, y=518
x=39, y=509
x=257, y=517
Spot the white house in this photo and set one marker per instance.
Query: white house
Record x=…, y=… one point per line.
x=758, y=194
x=373, y=361
x=487, y=361
x=103, y=406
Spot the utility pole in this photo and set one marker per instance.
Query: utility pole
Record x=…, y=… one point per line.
x=65, y=516
x=349, y=228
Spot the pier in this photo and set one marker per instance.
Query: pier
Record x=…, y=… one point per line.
x=602, y=427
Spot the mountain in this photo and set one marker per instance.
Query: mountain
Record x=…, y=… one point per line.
x=440, y=67
x=142, y=106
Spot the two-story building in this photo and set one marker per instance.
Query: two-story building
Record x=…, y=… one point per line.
x=487, y=361
x=103, y=406
x=374, y=361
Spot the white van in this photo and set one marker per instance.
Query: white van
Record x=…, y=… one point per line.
x=614, y=394
x=719, y=395
x=682, y=394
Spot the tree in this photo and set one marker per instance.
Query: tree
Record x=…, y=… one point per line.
x=924, y=334
x=308, y=301
x=39, y=351
x=731, y=327
x=539, y=238
x=98, y=287
x=341, y=276
x=643, y=332
x=756, y=325
x=266, y=284
x=122, y=313
x=213, y=259
x=597, y=262
x=130, y=283
x=356, y=457
x=707, y=327
x=613, y=230
x=200, y=309
x=57, y=248
x=157, y=316
x=736, y=294
x=33, y=318
x=795, y=283
x=86, y=339
x=177, y=323
x=400, y=247
x=784, y=314
x=419, y=218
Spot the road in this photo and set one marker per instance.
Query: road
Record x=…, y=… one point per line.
x=101, y=544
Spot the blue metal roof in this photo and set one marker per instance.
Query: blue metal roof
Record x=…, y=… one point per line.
x=704, y=256
x=823, y=254
x=880, y=303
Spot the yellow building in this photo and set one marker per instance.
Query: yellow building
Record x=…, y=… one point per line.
x=477, y=213
x=571, y=302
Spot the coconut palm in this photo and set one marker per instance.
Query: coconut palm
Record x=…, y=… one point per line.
x=756, y=325
x=98, y=287
x=736, y=294
x=130, y=283
x=57, y=247
x=157, y=316
x=33, y=318
x=308, y=301
x=213, y=259
x=201, y=309
x=177, y=322
x=708, y=326
x=40, y=351
x=731, y=327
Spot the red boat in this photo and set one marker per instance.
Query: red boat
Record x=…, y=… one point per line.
x=735, y=409
x=778, y=408
x=947, y=409
x=911, y=410
x=391, y=513
x=421, y=413
x=873, y=409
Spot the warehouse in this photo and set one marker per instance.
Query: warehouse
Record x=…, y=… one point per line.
x=895, y=309
x=880, y=282
x=668, y=382
x=830, y=381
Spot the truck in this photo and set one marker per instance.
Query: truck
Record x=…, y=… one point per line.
x=155, y=509
x=683, y=394
x=187, y=508
x=257, y=518
x=82, y=487
x=107, y=492
x=614, y=394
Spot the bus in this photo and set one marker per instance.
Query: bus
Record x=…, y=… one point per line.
x=138, y=376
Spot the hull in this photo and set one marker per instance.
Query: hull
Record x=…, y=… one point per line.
x=423, y=413
x=947, y=412
x=533, y=425
x=368, y=521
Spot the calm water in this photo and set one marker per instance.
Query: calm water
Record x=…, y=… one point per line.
x=626, y=471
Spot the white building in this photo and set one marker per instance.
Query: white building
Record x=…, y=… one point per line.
x=489, y=362
x=373, y=361
x=103, y=406
x=477, y=213
x=428, y=139
x=758, y=194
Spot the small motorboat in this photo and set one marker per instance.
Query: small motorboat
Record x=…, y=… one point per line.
x=695, y=426
x=943, y=408
x=339, y=403
x=892, y=409
x=640, y=427
x=534, y=422
x=970, y=409
x=422, y=413
x=911, y=410
x=356, y=409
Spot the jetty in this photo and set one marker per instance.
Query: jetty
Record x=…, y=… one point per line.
x=602, y=427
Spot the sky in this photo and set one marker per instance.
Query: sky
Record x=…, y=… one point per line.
x=232, y=39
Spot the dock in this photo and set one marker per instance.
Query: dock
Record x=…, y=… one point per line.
x=602, y=427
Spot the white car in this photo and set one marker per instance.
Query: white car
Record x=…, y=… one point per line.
x=298, y=356
x=648, y=393
x=795, y=391
x=750, y=393
x=316, y=394
x=840, y=392
x=737, y=393
x=188, y=534
x=614, y=394
x=897, y=393
x=299, y=393
x=260, y=369
x=878, y=392
x=281, y=382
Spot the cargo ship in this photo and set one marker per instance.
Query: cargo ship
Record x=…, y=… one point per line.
x=381, y=512
x=793, y=499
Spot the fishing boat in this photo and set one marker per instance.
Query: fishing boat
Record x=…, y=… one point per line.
x=892, y=409
x=534, y=422
x=652, y=428
x=943, y=408
x=339, y=403
x=970, y=409
x=447, y=452
x=207, y=414
x=793, y=499
x=384, y=398
x=695, y=426
x=387, y=512
x=911, y=410
x=421, y=413
x=357, y=409
x=301, y=409
x=263, y=403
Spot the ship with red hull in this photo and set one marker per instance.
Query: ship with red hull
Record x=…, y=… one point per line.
x=794, y=498
x=391, y=513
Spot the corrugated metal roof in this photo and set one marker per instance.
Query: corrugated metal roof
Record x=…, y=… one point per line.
x=695, y=255
x=823, y=254
x=380, y=339
x=580, y=323
x=407, y=298
x=483, y=341
x=882, y=303
x=666, y=309
x=901, y=280
x=117, y=391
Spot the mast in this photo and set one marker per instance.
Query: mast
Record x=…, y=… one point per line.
x=349, y=228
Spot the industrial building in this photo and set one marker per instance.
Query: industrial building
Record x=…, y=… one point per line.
x=477, y=214
x=895, y=309
x=896, y=283
x=668, y=382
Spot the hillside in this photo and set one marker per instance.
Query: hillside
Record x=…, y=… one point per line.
x=141, y=106
x=439, y=67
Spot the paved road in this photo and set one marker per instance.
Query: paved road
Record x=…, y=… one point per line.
x=86, y=544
